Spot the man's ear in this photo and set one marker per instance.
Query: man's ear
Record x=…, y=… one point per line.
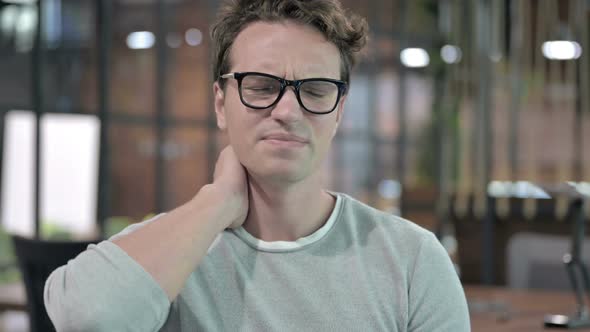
x=219, y=106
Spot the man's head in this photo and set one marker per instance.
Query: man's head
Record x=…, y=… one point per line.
x=281, y=119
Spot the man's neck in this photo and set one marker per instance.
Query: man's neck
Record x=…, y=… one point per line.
x=286, y=212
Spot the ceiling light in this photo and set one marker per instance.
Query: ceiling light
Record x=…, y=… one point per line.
x=139, y=40
x=414, y=57
x=561, y=50
x=193, y=37
x=451, y=54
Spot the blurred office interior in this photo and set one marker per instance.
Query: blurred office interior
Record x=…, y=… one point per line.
x=469, y=118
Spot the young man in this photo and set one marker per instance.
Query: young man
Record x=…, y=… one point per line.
x=264, y=247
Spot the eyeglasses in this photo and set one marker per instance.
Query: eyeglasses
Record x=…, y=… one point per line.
x=315, y=95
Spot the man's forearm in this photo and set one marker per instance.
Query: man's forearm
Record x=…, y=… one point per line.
x=171, y=247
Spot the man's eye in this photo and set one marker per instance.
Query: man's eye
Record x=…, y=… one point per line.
x=261, y=89
x=316, y=93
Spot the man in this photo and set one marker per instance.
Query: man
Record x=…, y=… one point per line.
x=264, y=247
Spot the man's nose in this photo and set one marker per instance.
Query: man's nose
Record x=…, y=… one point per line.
x=288, y=108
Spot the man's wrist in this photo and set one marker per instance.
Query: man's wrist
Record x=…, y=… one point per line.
x=223, y=207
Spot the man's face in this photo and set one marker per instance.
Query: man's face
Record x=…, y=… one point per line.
x=284, y=143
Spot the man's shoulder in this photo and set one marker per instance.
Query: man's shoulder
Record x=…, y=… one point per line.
x=364, y=216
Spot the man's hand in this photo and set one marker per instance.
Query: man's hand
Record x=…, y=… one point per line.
x=231, y=183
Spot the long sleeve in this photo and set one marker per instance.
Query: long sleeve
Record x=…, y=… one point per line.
x=103, y=289
x=436, y=298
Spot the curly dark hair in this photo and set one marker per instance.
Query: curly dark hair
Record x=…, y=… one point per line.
x=348, y=31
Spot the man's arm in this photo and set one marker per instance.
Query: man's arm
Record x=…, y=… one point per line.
x=436, y=298
x=106, y=281
x=170, y=248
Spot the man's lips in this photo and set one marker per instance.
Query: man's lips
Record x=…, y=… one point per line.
x=285, y=137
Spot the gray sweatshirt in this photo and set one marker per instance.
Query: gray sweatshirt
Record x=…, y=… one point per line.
x=364, y=270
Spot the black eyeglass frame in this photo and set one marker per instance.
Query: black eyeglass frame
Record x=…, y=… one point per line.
x=296, y=84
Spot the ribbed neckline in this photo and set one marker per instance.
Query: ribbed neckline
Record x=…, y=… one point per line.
x=285, y=246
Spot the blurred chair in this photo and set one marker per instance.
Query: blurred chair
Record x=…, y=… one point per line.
x=37, y=259
x=536, y=260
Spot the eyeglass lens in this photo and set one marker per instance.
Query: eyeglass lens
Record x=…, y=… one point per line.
x=315, y=95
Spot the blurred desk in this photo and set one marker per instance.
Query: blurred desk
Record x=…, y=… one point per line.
x=13, y=297
x=504, y=309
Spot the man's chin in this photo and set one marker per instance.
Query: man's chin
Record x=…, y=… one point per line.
x=283, y=175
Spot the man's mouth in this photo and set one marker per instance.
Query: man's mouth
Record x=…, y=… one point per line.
x=285, y=140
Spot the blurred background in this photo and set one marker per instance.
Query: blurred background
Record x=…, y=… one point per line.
x=469, y=118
